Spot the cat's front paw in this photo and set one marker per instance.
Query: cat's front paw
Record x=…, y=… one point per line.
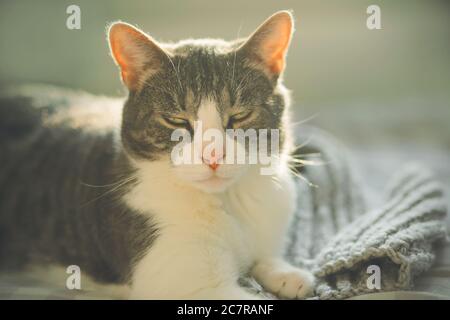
x=284, y=280
x=291, y=284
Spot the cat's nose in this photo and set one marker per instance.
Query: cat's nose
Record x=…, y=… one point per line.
x=213, y=161
x=213, y=166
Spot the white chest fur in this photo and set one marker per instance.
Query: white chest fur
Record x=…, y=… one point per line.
x=207, y=240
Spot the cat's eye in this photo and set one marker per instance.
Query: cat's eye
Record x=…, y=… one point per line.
x=177, y=122
x=238, y=117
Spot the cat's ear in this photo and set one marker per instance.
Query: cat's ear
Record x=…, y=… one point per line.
x=267, y=46
x=137, y=55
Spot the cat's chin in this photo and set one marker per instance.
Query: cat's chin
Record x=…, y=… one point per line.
x=213, y=184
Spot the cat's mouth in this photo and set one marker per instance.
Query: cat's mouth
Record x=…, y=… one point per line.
x=214, y=183
x=214, y=178
x=208, y=180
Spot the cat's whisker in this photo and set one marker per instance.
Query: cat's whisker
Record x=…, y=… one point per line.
x=297, y=159
x=116, y=188
x=308, y=162
x=303, y=144
x=300, y=122
x=276, y=180
x=302, y=177
x=294, y=164
x=100, y=186
x=311, y=154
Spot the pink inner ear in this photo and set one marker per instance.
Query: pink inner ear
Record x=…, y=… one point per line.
x=122, y=35
x=277, y=64
x=276, y=53
x=274, y=48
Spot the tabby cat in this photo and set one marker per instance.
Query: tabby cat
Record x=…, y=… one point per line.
x=95, y=186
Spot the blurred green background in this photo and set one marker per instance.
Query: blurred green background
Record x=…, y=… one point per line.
x=338, y=70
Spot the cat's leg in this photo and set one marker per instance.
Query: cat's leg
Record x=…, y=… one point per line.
x=283, y=279
x=183, y=285
x=188, y=264
x=269, y=269
x=231, y=291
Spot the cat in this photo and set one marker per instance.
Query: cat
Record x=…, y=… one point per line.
x=95, y=186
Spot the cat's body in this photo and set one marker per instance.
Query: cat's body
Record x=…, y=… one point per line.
x=56, y=202
x=120, y=209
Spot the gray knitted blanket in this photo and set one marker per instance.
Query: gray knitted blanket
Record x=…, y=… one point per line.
x=334, y=234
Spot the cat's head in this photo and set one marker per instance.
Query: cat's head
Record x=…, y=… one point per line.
x=201, y=83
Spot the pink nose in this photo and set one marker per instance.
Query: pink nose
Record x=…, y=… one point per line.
x=213, y=166
x=213, y=161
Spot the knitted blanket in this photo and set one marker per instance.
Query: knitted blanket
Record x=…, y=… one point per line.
x=347, y=245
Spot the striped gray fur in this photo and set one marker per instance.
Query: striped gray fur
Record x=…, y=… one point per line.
x=199, y=70
x=59, y=197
